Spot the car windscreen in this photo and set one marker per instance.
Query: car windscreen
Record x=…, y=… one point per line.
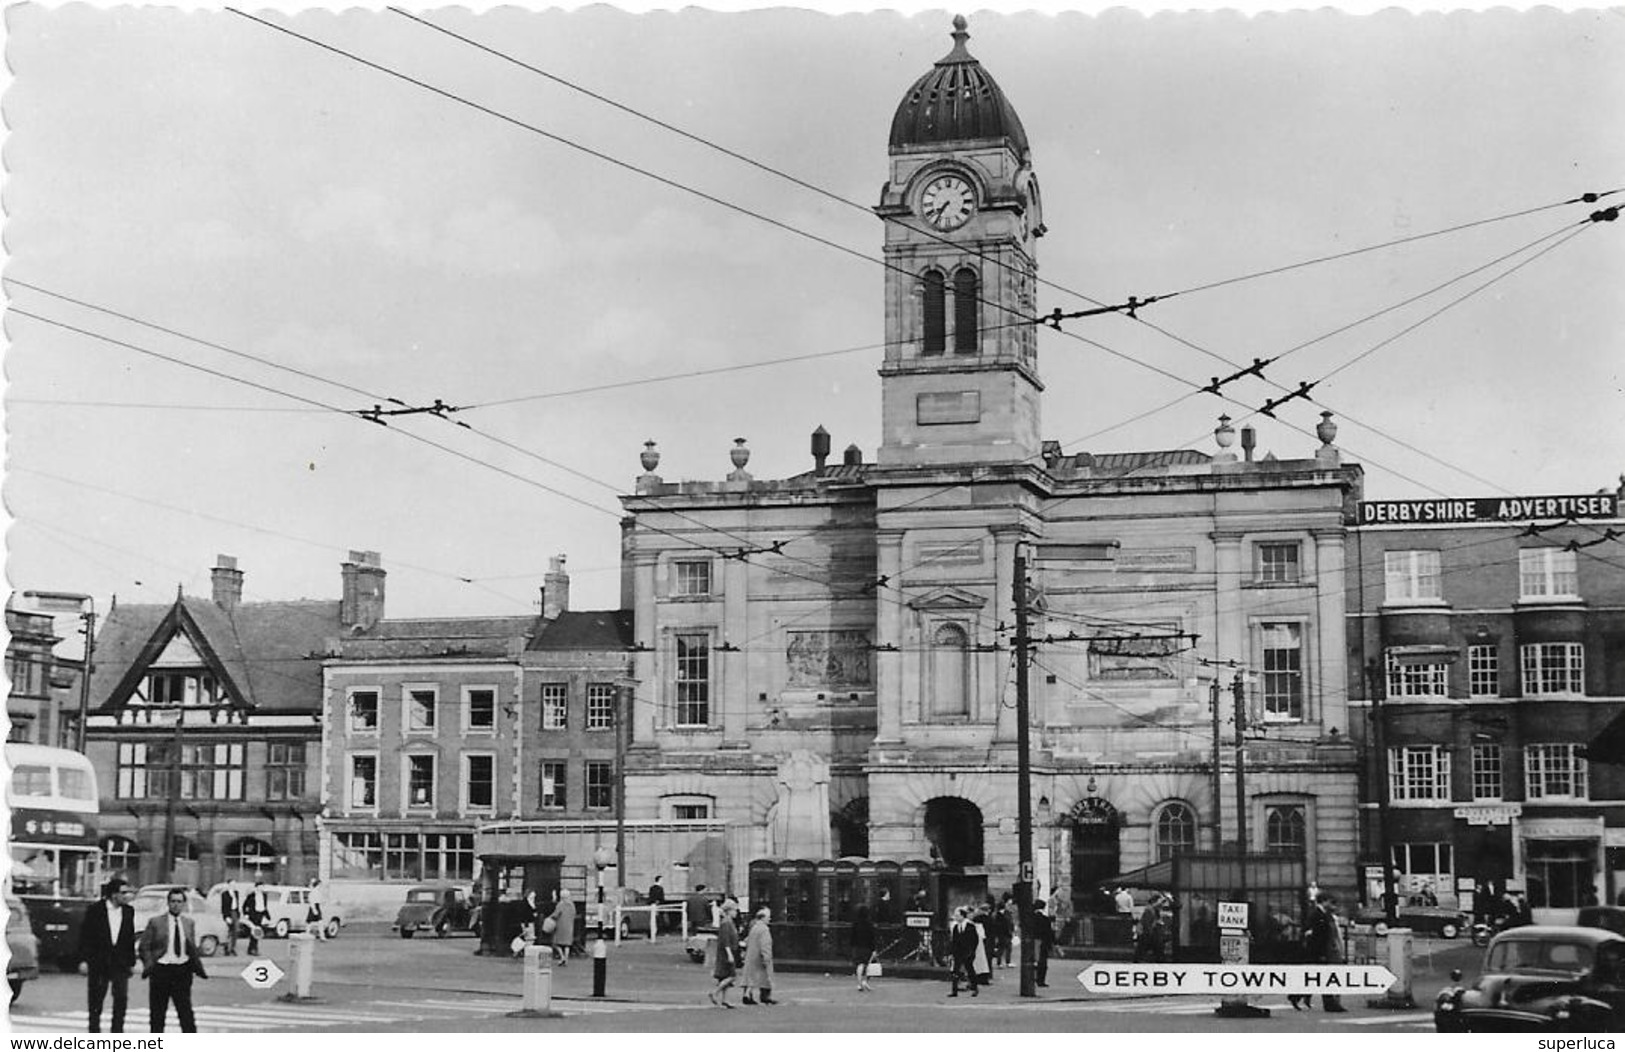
x=1539, y=955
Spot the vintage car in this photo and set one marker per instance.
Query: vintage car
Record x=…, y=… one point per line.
x=1442, y=921
x=440, y=908
x=153, y=899
x=22, y=962
x=1540, y=978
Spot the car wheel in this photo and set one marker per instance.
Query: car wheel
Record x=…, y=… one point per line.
x=407, y=931
x=1381, y=927
x=626, y=929
x=16, y=990
x=1448, y=930
x=332, y=928
x=208, y=945
x=281, y=930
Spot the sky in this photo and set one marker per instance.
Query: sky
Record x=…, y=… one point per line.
x=265, y=236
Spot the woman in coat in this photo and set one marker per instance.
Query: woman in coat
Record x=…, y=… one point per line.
x=759, y=959
x=564, y=927
x=727, y=955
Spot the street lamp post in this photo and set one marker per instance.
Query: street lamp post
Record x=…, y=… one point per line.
x=1024, y=809
x=85, y=606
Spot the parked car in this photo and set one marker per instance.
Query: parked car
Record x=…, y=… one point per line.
x=634, y=921
x=1608, y=918
x=153, y=899
x=290, y=906
x=22, y=964
x=1541, y=978
x=1425, y=920
x=440, y=908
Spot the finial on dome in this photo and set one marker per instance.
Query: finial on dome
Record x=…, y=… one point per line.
x=959, y=53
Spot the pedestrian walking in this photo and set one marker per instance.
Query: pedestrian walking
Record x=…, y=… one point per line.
x=256, y=911
x=698, y=909
x=962, y=948
x=1000, y=932
x=169, y=960
x=231, y=911
x=982, y=965
x=1124, y=900
x=107, y=952
x=1324, y=939
x=563, y=919
x=758, y=970
x=314, y=920
x=725, y=965
x=863, y=945
x=1043, y=935
x=525, y=918
x=1149, y=932
x=657, y=898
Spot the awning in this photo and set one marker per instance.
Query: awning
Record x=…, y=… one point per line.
x=1159, y=876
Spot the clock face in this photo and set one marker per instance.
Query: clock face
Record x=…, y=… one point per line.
x=947, y=202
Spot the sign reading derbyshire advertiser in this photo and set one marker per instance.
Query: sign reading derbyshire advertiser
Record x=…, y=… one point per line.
x=1112, y=978
x=1488, y=509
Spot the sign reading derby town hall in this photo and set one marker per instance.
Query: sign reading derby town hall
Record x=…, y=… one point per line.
x=1489, y=509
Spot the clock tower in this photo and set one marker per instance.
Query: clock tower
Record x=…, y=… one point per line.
x=959, y=384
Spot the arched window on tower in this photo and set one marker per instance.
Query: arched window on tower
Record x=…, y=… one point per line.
x=934, y=338
x=950, y=671
x=967, y=315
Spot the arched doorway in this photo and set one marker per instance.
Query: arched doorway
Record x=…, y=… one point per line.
x=1096, y=850
x=953, y=827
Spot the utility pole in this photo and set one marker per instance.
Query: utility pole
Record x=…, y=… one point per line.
x=1214, y=691
x=1379, y=741
x=1024, y=807
x=623, y=710
x=171, y=796
x=84, y=678
x=1239, y=689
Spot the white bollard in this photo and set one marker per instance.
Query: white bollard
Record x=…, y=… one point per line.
x=1396, y=954
x=301, y=965
x=538, y=980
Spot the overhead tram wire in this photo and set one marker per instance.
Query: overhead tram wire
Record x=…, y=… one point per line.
x=419, y=438
x=602, y=156
x=712, y=198
x=1587, y=198
x=598, y=154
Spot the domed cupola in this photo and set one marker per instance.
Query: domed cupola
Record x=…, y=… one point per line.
x=957, y=101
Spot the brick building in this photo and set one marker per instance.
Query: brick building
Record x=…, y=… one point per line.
x=1487, y=649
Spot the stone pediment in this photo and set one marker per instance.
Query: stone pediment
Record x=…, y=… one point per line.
x=948, y=599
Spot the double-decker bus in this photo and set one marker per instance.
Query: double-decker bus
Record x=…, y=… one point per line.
x=55, y=863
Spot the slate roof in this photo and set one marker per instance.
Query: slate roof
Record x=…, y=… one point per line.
x=586, y=630
x=439, y=637
x=269, y=653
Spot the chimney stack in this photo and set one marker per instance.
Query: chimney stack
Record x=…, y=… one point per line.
x=228, y=582
x=362, y=606
x=820, y=448
x=1249, y=441
x=555, y=589
x=853, y=457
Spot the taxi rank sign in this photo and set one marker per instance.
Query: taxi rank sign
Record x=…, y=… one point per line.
x=1487, y=509
x=1233, y=979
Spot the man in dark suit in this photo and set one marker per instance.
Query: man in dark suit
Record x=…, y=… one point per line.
x=107, y=952
x=231, y=911
x=256, y=911
x=169, y=959
x=962, y=943
x=1043, y=935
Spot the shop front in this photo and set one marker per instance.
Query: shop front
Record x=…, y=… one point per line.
x=1560, y=862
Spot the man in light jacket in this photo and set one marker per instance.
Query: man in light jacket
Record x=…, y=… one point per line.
x=169, y=959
